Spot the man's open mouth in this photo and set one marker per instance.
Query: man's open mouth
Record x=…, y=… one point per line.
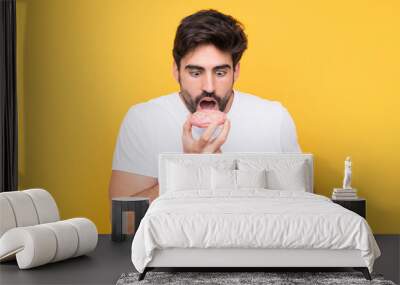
x=207, y=104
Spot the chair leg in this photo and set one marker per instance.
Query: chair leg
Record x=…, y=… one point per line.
x=364, y=271
x=143, y=274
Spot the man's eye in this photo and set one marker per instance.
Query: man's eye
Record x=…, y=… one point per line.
x=221, y=73
x=195, y=73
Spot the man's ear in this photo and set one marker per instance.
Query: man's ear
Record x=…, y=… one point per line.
x=237, y=72
x=175, y=71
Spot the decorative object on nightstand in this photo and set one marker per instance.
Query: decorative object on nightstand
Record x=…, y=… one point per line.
x=347, y=192
x=121, y=206
x=357, y=205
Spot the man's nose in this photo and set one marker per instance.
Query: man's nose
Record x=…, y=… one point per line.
x=208, y=84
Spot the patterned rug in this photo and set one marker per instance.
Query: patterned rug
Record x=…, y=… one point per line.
x=269, y=278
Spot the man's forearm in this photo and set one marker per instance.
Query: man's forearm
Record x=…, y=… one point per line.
x=152, y=193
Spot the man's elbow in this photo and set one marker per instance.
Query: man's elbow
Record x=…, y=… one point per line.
x=123, y=184
x=112, y=192
x=117, y=187
x=116, y=190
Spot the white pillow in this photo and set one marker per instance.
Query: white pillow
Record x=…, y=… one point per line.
x=251, y=178
x=287, y=179
x=236, y=179
x=223, y=179
x=189, y=174
x=181, y=177
x=282, y=174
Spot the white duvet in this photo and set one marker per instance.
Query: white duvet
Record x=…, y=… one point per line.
x=250, y=218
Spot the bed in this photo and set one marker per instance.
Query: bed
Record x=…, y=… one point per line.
x=246, y=210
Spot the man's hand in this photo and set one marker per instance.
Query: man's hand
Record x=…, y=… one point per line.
x=204, y=144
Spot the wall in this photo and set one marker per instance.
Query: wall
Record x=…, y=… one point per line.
x=82, y=64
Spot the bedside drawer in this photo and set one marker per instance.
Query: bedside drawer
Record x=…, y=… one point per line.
x=357, y=206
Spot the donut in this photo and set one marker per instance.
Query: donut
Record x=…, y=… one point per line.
x=203, y=118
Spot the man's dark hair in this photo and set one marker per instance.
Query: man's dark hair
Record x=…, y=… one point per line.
x=210, y=27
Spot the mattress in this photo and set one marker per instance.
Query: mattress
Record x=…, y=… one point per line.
x=250, y=219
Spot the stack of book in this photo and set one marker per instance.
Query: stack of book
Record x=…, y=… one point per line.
x=344, y=194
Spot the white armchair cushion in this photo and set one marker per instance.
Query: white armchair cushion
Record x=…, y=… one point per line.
x=87, y=235
x=23, y=208
x=31, y=233
x=45, y=205
x=67, y=238
x=7, y=219
x=27, y=208
x=32, y=246
x=41, y=244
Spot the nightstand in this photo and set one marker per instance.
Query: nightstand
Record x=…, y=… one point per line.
x=357, y=205
x=121, y=205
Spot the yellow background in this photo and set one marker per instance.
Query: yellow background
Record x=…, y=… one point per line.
x=333, y=64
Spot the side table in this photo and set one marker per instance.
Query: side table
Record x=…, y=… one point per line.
x=139, y=205
x=357, y=205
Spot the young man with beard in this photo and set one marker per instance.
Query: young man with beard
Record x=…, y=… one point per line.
x=207, y=49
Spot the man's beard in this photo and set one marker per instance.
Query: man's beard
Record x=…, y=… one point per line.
x=192, y=104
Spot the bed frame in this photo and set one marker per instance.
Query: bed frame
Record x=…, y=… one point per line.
x=248, y=259
x=261, y=259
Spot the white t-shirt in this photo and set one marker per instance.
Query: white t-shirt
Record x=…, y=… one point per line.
x=153, y=127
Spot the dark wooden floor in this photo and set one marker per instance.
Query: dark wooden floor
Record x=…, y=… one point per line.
x=110, y=260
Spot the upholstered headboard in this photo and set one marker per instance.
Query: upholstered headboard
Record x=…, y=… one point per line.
x=235, y=158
